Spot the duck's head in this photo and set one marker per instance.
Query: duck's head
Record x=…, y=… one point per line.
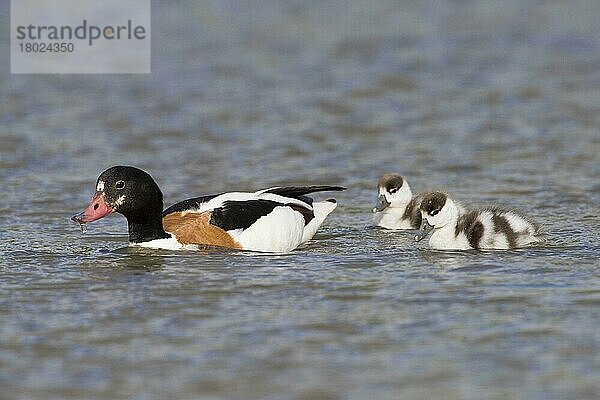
x=126, y=190
x=394, y=191
x=437, y=210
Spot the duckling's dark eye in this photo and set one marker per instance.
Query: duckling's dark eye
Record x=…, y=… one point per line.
x=393, y=190
x=434, y=212
x=120, y=185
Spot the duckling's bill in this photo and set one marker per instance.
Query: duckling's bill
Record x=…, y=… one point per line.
x=424, y=230
x=382, y=204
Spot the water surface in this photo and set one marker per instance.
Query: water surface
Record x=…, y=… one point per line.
x=496, y=102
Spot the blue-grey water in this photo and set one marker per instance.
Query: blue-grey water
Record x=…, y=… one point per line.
x=497, y=102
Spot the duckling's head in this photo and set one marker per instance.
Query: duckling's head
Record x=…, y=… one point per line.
x=394, y=191
x=437, y=211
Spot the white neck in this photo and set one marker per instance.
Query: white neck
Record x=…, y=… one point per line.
x=444, y=237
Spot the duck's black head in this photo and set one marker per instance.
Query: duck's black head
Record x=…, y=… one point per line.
x=131, y=192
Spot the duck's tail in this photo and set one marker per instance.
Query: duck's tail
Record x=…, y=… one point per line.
x=300, y=192
x=321, y=209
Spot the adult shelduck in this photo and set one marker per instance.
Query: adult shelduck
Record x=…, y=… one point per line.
x=277, y=219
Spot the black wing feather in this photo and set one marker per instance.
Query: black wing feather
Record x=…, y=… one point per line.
x=300, y=192
x=241, y=214
x=189, y=204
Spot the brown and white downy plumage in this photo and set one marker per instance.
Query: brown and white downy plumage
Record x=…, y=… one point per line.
x=453, y=227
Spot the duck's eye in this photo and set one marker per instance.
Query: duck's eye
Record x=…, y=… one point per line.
x=434, y=212
x=393, y=190
x=120, y=185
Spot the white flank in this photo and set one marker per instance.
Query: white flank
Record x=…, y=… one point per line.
x=391, y=218
x=321, y=210
x=444, y=239
x=279, y=231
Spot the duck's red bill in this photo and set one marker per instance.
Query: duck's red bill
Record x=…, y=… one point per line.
x=96, y=210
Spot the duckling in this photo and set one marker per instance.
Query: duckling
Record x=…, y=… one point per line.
x=396, y=207
x=456, y=228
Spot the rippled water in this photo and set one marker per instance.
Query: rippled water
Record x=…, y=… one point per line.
x=496, y=102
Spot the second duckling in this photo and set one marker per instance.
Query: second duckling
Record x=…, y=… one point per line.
x=396, y=207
